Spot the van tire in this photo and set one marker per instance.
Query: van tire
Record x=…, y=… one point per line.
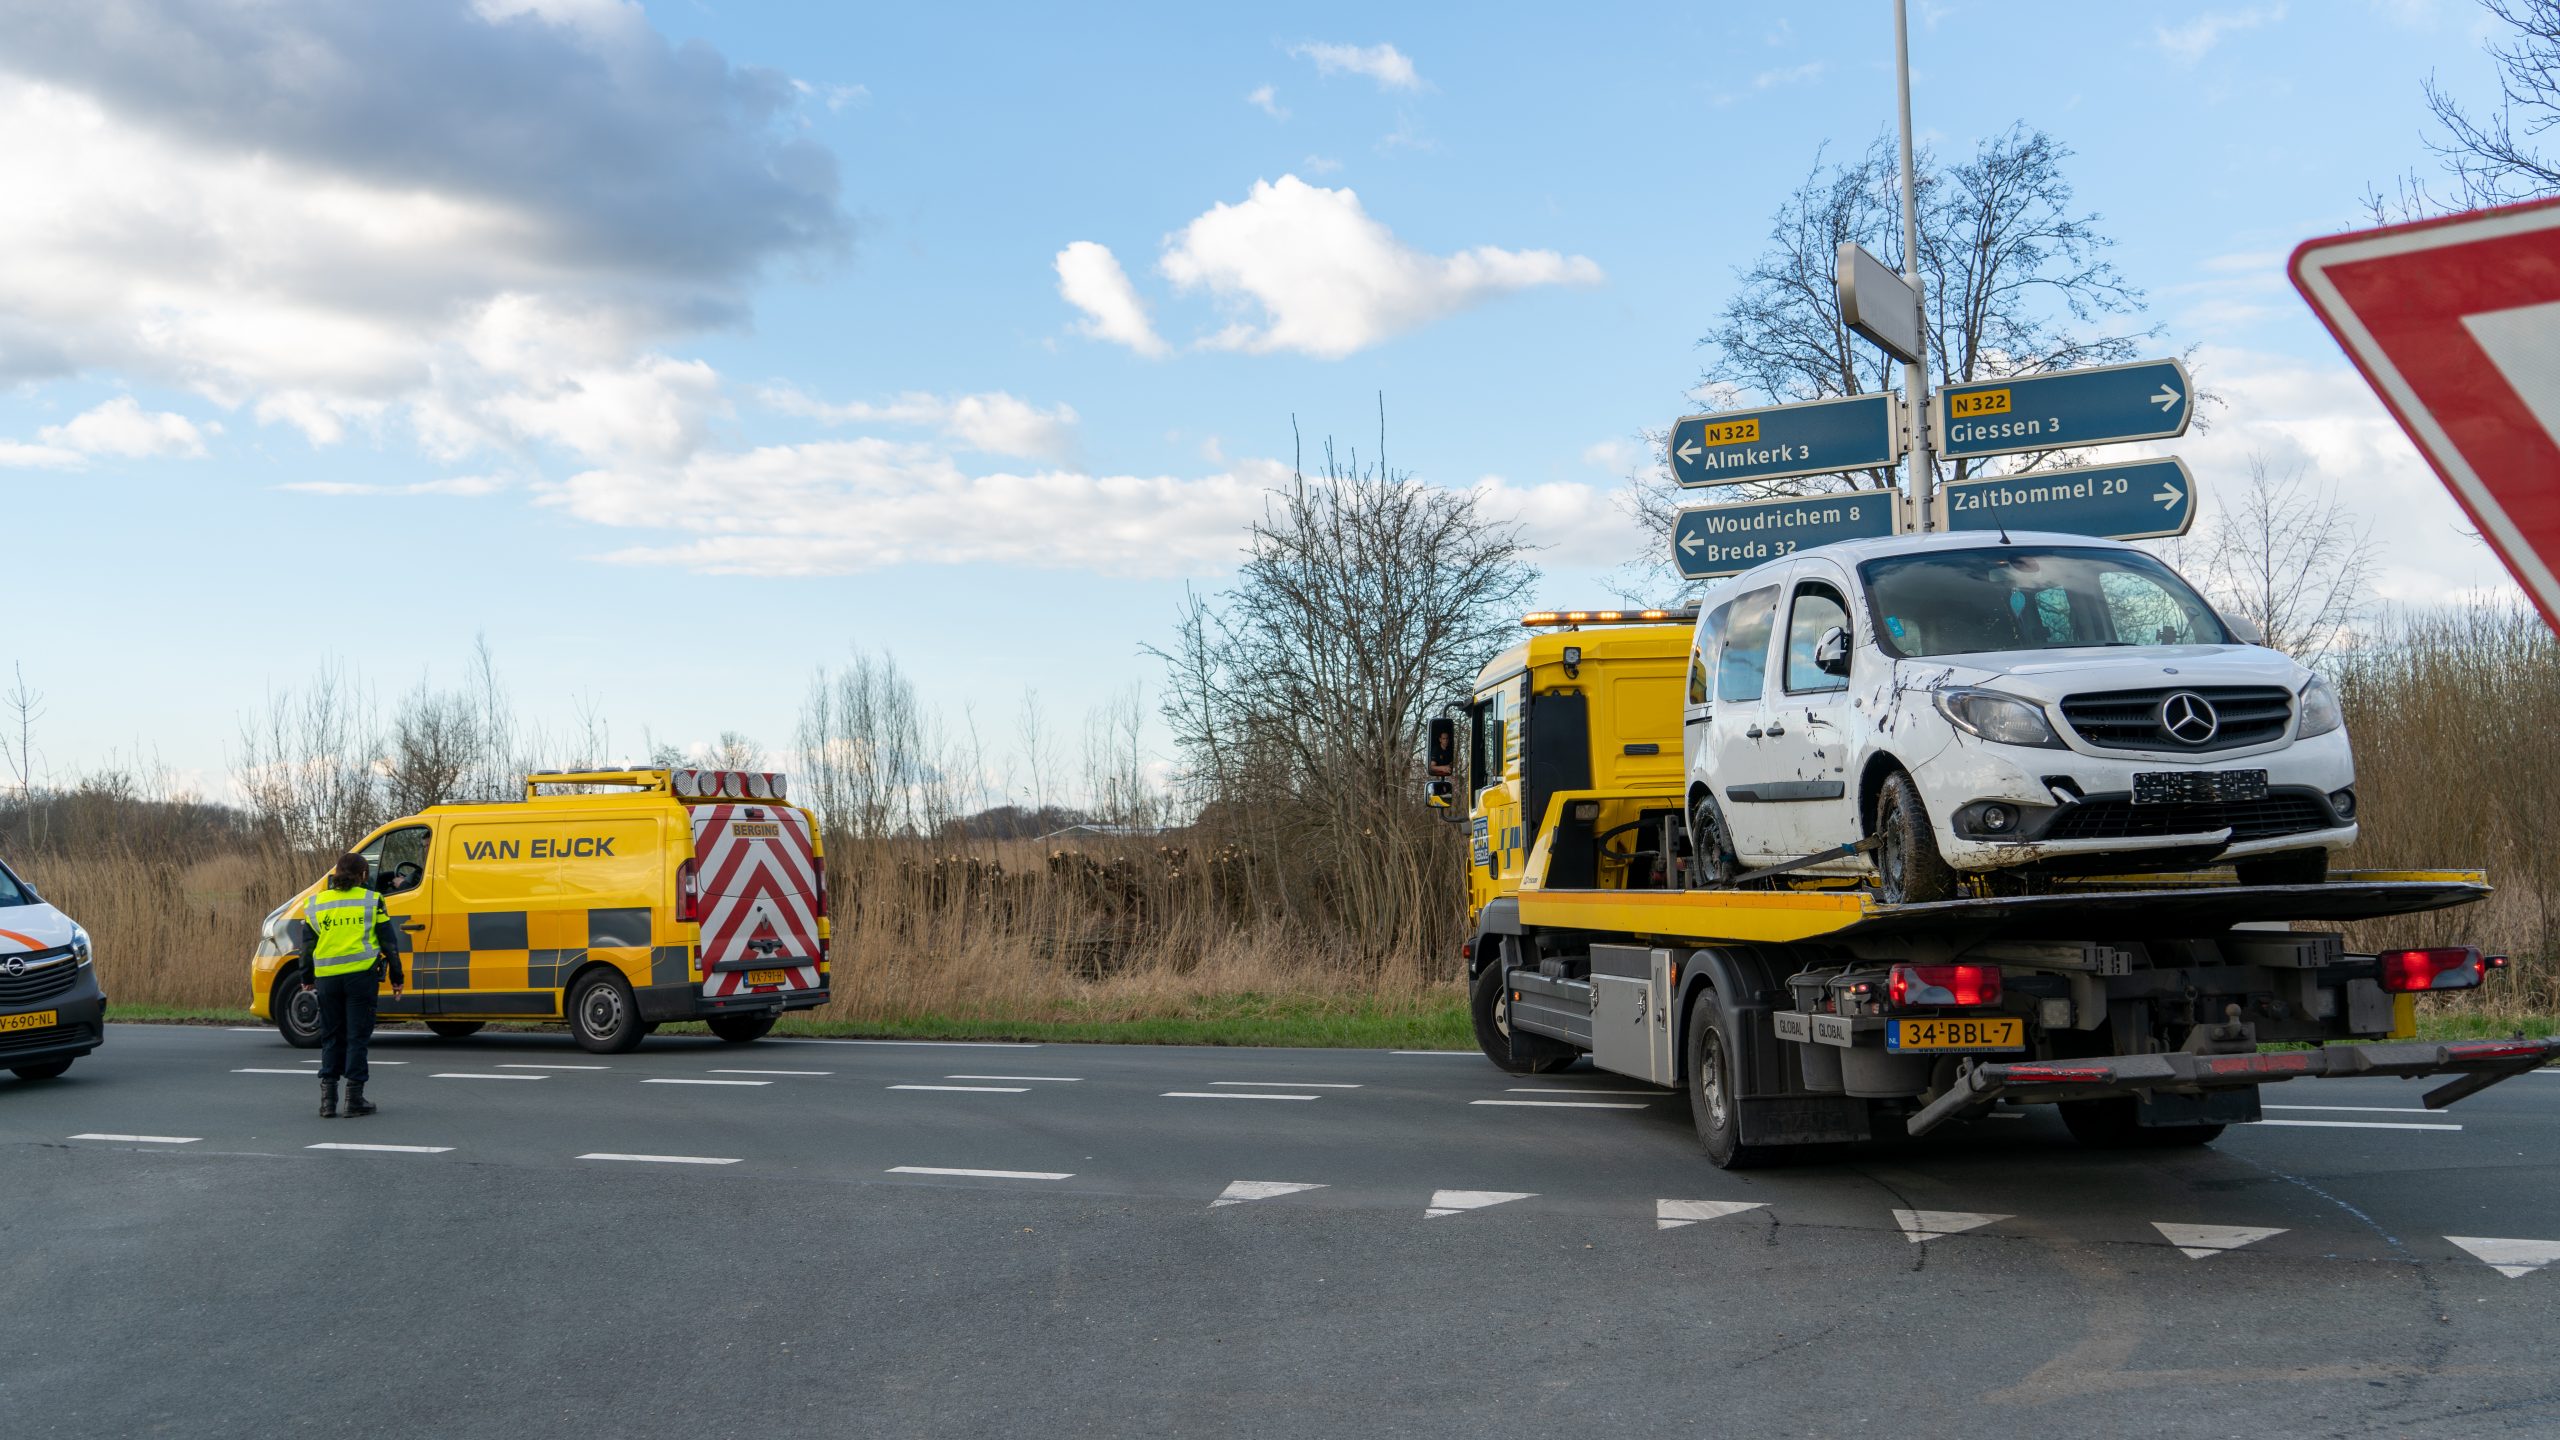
x=1909, y=869
x=456, y=1029
x=604, y=1017
x=42, y=1070
x=1486, y=1001
x=296, y=1012
x=1715, y=1099
x=741, y=1029
x=1712, y=863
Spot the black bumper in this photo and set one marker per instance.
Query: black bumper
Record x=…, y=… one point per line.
x=662, y=1003
x=80, y=1025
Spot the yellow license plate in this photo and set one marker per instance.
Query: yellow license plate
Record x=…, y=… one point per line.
x=768, y=977
x=1992, y=1034
x=32, y=1020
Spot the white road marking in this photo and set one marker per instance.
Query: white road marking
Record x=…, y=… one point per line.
x=2514, y=1259
x=2362, y=1109
x=144, y=1139
x=773, y=1072
x=1458, y=1202
x=1575, y=1090
x=2358, y=1125
x=1240, y=1191
x=1288, y=1084
x=305, y=1074
x=477, y=1075
x=1231, y=1095
x=662, y=1159
x=1059, y=1079
x=983, y=1174
x=1569, y=1104
x=1919, y=1225
x=250, y=1029
x=528, y=1065
x=926, y=1044
x=1672, y=1214
x=2198, y=1242
x=973, y=1089
x=1451, y=1054
x=663, y=1080
x=387, y=1149
x=369, y=1061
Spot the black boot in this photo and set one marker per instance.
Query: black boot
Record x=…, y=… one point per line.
x=328, y=1099
x=357, y=1105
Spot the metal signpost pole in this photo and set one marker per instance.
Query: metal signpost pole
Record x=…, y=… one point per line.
x=1915, y=372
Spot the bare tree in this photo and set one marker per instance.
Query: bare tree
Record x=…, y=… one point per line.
x=867, y=746
x=737, y=750
x=307, y=765
x=25, y=707
x=2286, y=554
x=2495, y=157
x=435, y=745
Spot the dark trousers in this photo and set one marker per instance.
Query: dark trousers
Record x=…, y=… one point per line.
x=346, y=1023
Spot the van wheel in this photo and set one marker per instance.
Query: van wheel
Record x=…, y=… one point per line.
x=42, y=1070
x=455, y=1029
x=296, y=1011
x=2109, y=1125
x=1909, y=870
x=603, y=1015
x=740, y=1029
x=2292, y=867
x=1712, y=863
x=1714, y=1098
x=1489, y=1006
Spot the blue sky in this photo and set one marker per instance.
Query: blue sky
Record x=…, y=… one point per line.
x=681, y=348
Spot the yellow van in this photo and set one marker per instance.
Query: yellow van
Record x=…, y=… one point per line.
x=642, y=896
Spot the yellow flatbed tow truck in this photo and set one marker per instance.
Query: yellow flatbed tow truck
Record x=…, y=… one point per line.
x=1801, y=1009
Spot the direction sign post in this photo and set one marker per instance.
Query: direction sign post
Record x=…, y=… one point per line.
x=1819, y=437
x=1877, y=303
x=1712, y=540
x=2456, y=325
x=2064, y=409
x=2144, y=500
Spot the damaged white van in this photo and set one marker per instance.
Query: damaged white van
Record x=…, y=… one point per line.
x=1930, y=708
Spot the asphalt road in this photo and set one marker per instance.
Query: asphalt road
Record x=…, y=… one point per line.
x=861, y=1238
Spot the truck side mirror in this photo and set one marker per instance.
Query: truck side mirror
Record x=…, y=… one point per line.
x=1444, y=796
x=1442, y=756
x=1831, y=652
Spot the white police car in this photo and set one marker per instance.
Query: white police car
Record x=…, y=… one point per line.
x=2011, y=706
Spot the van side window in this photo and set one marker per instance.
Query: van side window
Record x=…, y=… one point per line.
x=1817, y=610
x=1710, y=631
x=1743, y=668
x=398, y=859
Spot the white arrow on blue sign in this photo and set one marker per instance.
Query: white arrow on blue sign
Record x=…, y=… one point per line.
x=1776, y=442
x=1711, y=540
x=2145, y=500
x=2148, y=400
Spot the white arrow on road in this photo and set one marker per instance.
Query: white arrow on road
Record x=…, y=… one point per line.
x=2514, y=1259
x=1690, y=452
x=1672, y=1214
x=2169, y=496
x=2167, y=400
x=2196, y=1242
x=1243, y=1190
x=1919, y=1225
x=1689, y=544
x=1453, y=1202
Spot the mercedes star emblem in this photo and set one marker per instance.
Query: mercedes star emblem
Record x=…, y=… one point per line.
x=2188, y=718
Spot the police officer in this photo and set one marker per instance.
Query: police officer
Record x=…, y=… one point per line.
x=349, y=942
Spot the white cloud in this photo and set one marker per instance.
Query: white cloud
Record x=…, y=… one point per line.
x=1328, y=280
x=1384, y=64
x=993, y=423
x=461, y=485
x=1319, y=165
x=1792, y=75
x=2190, y=42
x=837, y=97
x=1571, y=524
x=1266, y=100
x=122, y=428
x=19, y=455
x=1615, y=456
x=1090, y=279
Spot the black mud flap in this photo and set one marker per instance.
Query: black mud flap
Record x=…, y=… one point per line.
x=1803, y=1119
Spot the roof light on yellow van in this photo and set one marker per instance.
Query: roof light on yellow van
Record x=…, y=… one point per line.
x=1543, y=619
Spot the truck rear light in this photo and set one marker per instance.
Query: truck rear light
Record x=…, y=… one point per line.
x=1959, y=985
x=2492, y=1049
x=2037, y=1074
x=2445, y=967
x=688, y=895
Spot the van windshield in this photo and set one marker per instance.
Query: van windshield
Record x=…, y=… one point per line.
x=13, y=891
x=1958, y=602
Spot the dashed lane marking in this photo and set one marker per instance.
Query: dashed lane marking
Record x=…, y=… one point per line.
x=1053, y=1079
x=982, y=1174
x=971, y=1089
x=1240, y=1191
x=2362, y=1109
x=529, y=1065
x=920, y=1044
x=2200, y=1242
x=368, y=1061
x=1446, y=1054
x=1459, y=1202
x=1288, y=1084
x=253, y=1070
x=2358, y=1125
x=1569, y=1104
x=1672, y=1214
x=2514, y=1259
x=1919, y=1225
x=387, y=1149
x=1231, y=1095
x=480, y=1075
x=773, y=1072
x=1573, y=1090
x=662, y=1159
x=143, y=1139
x=664, y=1080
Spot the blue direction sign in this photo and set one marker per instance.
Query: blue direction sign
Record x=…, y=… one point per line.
x=1713, y=540
x=1817, y=437
x=2064, y=409
x=2146, y=500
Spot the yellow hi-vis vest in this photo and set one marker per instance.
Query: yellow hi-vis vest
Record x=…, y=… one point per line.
x=342, y=924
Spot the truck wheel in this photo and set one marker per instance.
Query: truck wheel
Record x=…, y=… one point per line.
x=1712, y=862
x=1714, y=1098
x=739, y=1029
x=455, y=1029
x=1489, y=1005
x=2109, y=1125
x=296, y=1012
x=42, y=1070
x=2292, y=867
x=1909, y=870
x=603, y=1015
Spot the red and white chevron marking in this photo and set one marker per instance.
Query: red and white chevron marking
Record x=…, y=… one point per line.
x=759, y=886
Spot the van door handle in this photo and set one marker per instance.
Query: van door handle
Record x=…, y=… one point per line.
x=1754, y=733
x=1777, y=727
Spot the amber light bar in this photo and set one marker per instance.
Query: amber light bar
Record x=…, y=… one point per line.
x=1541, y=619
